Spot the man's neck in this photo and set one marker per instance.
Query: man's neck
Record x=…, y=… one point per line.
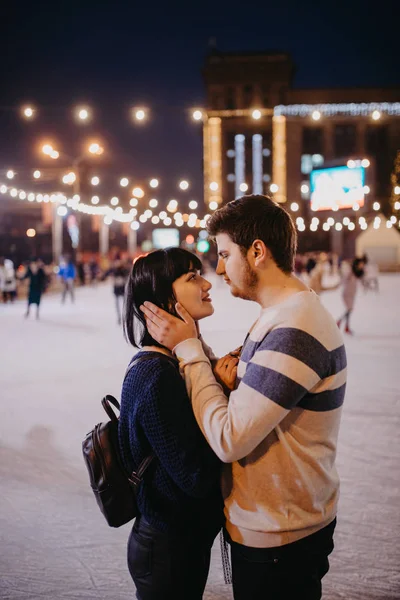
x=275, y=287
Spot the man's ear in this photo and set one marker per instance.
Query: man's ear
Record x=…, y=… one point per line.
x=260, y=253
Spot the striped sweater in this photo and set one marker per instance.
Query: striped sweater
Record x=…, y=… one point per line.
x=279, y=429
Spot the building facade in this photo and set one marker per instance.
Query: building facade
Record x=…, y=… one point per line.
x=262, y=135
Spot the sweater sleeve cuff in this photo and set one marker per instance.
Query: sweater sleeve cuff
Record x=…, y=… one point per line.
x=190, y=351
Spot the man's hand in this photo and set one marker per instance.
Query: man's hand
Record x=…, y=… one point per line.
x=167, y=329
x=225, y=372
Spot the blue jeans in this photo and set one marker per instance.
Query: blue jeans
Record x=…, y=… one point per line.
x=290, y=572
x=165, y=566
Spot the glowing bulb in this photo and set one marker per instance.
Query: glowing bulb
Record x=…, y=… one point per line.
x=95, y=199
x=338, y=227
x=114, y=201
x=155, y=220
x=193, y=204
x=62, y=211
x=135, y=225
x=153, y=183
x=82, y=114
x=95, y=148
x=397, y=205
x=397, y=189
x=356, y=206
x=197, y=115
x=10, y=174
x=124, y=182
x=214, y=186
x=95, y=180
x=139, y=114
x=393, y=219
x=153, y=203
x=138, y=192
x=273, y=188
x=133, y=201
x=331, y=221
x=28, y=112
x=108, y=220
x=243, y=187
x=47, y=149
x=316, y=115
x=256, y=114
x=346, y=221
x=365, y=163
x=325, y=227
x=148, y=213
x=184, y=184
x=367, y=189
x=305, y=189
x=3, y=189
x=294, y=207
x=31, y=197
x=31, y=233
x=167, y=221
x=54, y=154
x=163, y=215
x=351, y=227
x=36, y=174
x=376, y=115
x=213, y=205
x=351, y=164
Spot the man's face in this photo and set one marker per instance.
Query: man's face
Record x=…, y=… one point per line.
x=235, y=269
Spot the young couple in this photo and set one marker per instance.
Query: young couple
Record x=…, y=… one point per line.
x=265, y=436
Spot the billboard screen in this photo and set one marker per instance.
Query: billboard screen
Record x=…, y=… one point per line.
x=337, y=187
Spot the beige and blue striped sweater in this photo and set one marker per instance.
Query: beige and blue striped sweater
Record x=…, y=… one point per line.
x=278, y=431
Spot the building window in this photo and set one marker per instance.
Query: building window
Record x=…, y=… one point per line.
x=313, y=140
x=310, y=162
x=230, y=99
x=345, y=140
x=248, y=95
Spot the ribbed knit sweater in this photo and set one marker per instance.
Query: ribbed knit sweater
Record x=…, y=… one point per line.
x=180, y=491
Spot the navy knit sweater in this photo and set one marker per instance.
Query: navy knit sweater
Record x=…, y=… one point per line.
x=180, y=491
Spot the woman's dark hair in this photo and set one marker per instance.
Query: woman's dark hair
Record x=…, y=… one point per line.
x=151, y=279
x=257, y=217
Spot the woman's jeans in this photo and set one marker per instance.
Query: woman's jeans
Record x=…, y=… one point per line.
x=290, y=572
x=165, y=566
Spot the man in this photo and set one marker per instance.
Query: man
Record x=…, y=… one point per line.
x=280, y=427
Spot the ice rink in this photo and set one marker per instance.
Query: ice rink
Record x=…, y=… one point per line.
x=55, y=544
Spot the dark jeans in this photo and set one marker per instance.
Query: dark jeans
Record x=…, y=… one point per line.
x=290, y=572
x=166, y=567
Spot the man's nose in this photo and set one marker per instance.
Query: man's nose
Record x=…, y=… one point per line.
x=220, y=267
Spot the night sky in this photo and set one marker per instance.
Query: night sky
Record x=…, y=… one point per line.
x=112, y=55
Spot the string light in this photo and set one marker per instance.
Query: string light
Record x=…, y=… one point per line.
x=184, y=185
x=153, y=183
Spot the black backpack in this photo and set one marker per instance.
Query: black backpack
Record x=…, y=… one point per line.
x=114, y=488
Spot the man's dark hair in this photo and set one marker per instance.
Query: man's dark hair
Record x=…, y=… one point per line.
x=257, y=217
x=151, y=280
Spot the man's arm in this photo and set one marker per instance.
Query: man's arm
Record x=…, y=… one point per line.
x=276, y=379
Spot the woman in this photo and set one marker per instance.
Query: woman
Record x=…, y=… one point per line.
x=179, y=500
x=349, y=291
x=37, y=282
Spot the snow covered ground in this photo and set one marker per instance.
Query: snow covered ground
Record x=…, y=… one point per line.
x=54, y=543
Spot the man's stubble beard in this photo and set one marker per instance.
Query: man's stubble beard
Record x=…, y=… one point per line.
x=247, y=290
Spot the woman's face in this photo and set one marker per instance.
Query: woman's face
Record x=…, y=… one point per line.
x=192, y=291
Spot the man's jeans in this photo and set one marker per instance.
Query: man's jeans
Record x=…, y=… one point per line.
x=290, y=572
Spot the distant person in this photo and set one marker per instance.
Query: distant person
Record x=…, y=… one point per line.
x=67, y=274
x=370, y=279
x=119, y=273
x=350, y=284
x=37, y=282
x=94, y=271
x=8, y=280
